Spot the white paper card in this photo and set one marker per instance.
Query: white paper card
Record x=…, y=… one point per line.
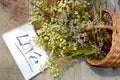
x=28, y=57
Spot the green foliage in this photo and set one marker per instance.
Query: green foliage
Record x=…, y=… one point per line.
x=57, y=23
x=53, y=38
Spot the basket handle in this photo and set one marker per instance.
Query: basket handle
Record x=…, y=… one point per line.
x=112, y=14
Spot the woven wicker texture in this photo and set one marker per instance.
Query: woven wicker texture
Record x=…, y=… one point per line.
x=113, y=57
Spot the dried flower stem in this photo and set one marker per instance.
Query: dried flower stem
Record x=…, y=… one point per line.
x=44, y=11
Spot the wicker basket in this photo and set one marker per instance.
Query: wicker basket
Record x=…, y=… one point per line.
x=112, y=59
